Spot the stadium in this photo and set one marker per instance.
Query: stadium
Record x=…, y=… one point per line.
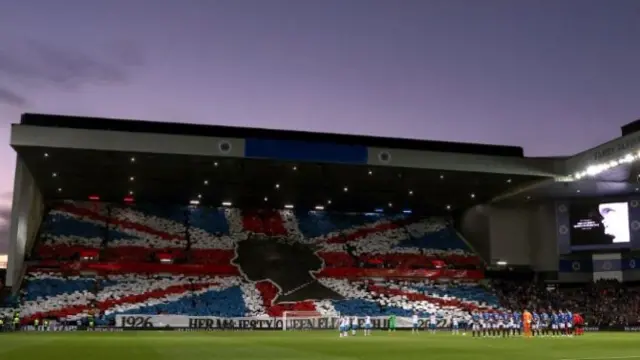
x=207, y=233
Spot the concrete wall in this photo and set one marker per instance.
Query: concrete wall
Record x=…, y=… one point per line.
x=26, y=215
x=521, y=235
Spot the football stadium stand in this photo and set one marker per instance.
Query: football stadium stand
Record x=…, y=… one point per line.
x=219, y=221
x=217, y=246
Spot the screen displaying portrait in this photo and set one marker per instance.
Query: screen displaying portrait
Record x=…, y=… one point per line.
x=599, y=224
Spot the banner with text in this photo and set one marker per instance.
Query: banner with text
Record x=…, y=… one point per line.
x=253, y=323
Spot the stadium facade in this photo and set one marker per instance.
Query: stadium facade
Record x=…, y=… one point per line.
x=545, y=213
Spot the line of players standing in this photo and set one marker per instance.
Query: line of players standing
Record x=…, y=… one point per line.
x=510, y=323
x=487, y=323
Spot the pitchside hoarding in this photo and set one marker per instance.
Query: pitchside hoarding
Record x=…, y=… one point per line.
x=252, y=323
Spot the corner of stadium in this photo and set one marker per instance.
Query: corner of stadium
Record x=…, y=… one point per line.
x=121, y=224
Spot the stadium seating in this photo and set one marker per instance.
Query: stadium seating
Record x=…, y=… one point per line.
x=340, y=249
x=136, y=233
x=74, y=297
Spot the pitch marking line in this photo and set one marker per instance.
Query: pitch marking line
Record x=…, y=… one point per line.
x=607, y=358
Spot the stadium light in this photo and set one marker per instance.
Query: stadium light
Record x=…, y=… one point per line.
x=194, y=202
x=596, y=169
x=319, y=207
x=226, y=203
x=288, y=206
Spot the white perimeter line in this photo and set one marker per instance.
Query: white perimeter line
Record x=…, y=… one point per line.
x=606, y=357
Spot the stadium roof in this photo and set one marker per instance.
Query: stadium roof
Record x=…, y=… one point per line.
x=74, y=158
x=609, y=170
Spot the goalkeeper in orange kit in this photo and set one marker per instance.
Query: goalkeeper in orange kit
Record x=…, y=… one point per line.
x=527, y=319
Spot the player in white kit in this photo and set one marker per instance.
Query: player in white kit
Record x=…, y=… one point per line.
x=367, y=326
x=455, y=324
x=354, y=325
x=344, y=326
x=433, y=323
x=414, y=323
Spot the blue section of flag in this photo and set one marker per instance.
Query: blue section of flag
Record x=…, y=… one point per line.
x=575, y=266
x=290, y=150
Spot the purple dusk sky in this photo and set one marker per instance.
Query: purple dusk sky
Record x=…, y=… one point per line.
x=553, y=76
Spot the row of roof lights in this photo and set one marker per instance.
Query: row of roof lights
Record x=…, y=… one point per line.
x=206, y=182
x=229, y=203
x=596, y=169
x=317, y=207
x=277, y=186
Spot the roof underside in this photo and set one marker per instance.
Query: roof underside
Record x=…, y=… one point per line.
x=621, y=181
x=137, y=126
x=77, y=174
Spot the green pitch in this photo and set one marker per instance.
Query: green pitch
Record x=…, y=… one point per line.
x=311, y=345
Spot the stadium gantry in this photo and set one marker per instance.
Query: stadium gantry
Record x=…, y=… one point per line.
x=117, y=217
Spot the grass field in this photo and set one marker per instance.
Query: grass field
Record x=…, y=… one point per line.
x=310, y=345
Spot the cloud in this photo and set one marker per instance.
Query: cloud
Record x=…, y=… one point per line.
x=11, y=98
x=33, y=62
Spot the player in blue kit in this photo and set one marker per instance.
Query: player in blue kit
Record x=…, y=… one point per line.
x=486, y=323
x=510, y=325
x=568, y=322
x=554, y=323
x=562, y=323
x=535, y=326
x=517, y=318
x=546, y=323
x=476, y=324
x=502, y=324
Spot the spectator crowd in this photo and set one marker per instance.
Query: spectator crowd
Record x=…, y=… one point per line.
x=602, y=303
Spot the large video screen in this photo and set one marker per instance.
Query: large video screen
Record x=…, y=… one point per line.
x=599, y=225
